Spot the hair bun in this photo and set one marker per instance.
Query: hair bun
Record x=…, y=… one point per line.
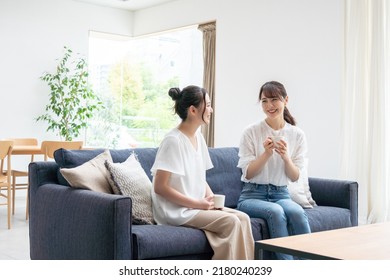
x=175, y=93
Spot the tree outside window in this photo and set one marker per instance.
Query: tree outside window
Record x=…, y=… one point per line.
x=132, y=77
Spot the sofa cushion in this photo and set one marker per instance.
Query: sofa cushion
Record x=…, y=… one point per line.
x=327, y=218
x=146, y=157
x=130, y=180
x=179, y=242
x=259, y=229
x=72, y=158
x=91, y=175
x=225, y=177
x=163, y=241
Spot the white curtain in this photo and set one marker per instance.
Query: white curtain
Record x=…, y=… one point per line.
x=366, y=106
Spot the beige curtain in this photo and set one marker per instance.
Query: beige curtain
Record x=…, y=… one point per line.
x=208, y=30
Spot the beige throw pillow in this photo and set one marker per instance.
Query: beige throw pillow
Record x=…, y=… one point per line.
x=306, y=185
x=297, y=193
x=92, y=175
x=131, y=180
x=300, y=190
x=308, y=194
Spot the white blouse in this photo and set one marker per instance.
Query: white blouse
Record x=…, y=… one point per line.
x=251, y=146
x=188, y=168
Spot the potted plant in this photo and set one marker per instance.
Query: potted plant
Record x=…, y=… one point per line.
x=72, y=101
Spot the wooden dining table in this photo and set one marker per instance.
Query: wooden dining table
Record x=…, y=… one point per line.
x=26, y=150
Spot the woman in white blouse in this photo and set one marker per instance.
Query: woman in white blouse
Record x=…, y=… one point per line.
x=181, y=195
x=272, y=152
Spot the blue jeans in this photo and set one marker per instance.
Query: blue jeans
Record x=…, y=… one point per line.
x=273, y=203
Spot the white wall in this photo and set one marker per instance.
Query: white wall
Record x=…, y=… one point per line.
x=297, y=42
x=32, y=35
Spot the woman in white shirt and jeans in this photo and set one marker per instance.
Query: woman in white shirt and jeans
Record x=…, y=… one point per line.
x=181, y=195
x=268, y=166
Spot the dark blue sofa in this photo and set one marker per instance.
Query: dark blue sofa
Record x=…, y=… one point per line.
x=69, y=223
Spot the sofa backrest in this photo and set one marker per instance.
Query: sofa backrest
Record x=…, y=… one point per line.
x=224, y=178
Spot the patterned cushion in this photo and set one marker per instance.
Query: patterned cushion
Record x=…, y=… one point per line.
x=131, y=180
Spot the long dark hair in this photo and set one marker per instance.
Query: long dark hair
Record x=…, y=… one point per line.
x=274, y=89
x=187, y=97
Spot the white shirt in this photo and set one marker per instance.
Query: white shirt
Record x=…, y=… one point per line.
x=188, y=168
x=251, y=146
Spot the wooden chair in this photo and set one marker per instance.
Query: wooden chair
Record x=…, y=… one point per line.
x=5, y=175
x=49, y=147
x=21, y=173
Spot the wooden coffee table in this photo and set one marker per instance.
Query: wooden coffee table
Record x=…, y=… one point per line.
x=366, y=242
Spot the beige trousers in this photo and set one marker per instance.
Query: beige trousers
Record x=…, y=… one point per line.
x=228, y=231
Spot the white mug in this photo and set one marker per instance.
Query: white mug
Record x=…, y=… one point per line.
x=219, y=201
x=276, y=139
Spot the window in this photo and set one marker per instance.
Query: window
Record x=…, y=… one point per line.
x=132, y=76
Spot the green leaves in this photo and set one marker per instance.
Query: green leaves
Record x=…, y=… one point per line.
x=72, y=101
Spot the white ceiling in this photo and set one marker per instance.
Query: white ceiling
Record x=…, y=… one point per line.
x=131, y=5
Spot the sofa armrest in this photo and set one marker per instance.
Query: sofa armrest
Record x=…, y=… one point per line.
x=44, y=172
x=336, y=193
x=69, y=223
